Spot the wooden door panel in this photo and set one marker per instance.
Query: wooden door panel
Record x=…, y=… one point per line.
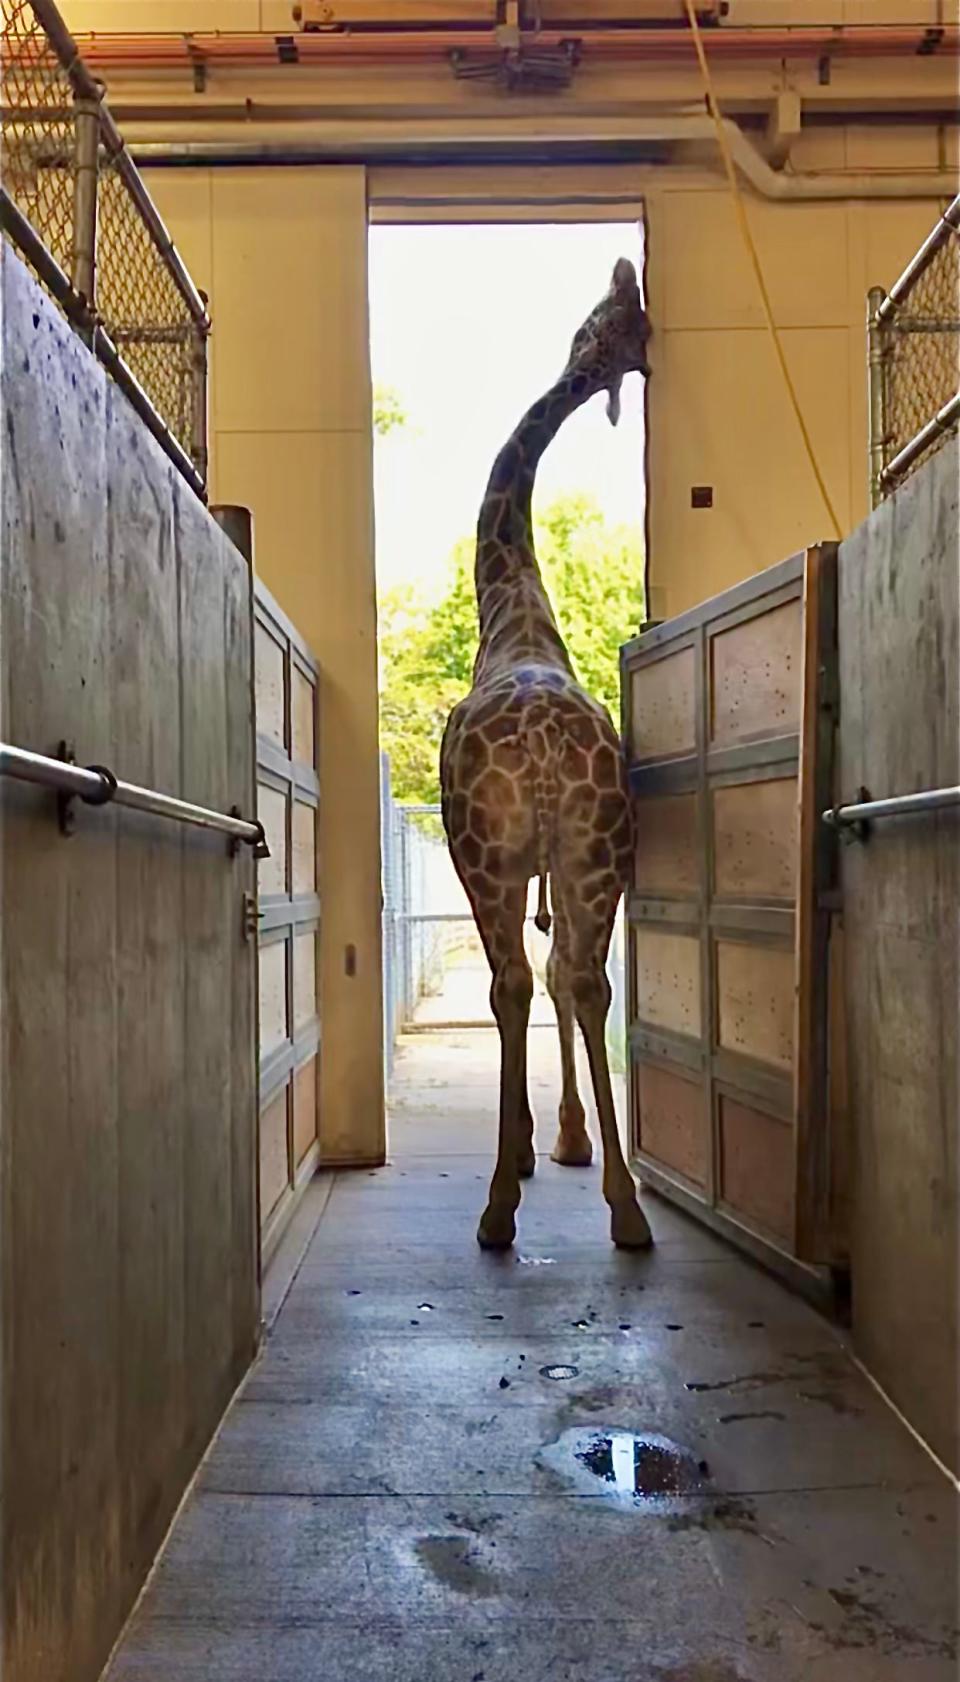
x=270, y=685
x=671, y=1120
x=304, y=1110
x=663, y=706
x=304, y=848
x=756, y=1166
x=304, y=706
x=755, y=838
x=272, y=812
x=756, y=673
x=668, y=980
x=274, y=1020
x=273, y=1153
x=667, y=861
x=755, y=1001
x=288, y=799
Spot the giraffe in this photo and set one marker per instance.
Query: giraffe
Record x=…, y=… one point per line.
x=533, y=782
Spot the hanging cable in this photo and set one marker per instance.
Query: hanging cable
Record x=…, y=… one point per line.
x=741, y=212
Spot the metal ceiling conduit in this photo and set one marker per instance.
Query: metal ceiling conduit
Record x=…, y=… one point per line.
x=464, y=139
x=379, y=44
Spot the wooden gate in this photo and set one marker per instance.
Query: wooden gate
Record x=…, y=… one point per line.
x=729, y=720
x=288, y=794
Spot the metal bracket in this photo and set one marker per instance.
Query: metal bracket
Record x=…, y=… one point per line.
x=66, y=809
x=260, y=848
x=66, y=812
x=859, y=829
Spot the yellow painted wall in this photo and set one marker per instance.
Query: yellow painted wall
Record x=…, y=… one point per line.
x=718, y=404
x=284, y=254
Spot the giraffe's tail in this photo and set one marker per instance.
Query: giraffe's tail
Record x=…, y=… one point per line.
x=542, y=749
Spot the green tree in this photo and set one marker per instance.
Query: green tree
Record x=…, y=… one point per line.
x=594, y=574
x=389, y=414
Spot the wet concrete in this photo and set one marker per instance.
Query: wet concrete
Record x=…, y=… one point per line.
x=577, y=1466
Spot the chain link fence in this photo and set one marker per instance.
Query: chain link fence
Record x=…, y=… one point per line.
x=75, y=205
x=913, y=336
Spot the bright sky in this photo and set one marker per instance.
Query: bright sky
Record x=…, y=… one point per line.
x=470, y=325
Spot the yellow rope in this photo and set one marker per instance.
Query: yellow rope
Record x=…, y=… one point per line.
x=741, y=211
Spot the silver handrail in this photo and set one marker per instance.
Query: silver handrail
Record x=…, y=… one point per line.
x=98, y=787
x=900, y=805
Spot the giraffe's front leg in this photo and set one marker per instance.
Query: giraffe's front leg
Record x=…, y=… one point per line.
x=510, y=997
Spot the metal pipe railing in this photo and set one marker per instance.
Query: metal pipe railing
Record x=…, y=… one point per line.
x=97, y=786
x=898, y=806
x=947, y=226
x=876, y=393
x=943, y=422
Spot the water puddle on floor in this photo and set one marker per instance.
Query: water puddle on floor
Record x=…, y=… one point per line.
x=641, y=1465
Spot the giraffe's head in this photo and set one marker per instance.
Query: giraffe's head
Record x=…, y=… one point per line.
x=613, y=340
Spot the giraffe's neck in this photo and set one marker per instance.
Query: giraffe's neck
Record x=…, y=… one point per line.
x=516, y=619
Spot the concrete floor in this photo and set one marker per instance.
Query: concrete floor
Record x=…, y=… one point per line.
x=397, y=1497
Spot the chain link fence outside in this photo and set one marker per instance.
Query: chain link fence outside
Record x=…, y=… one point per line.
x=36, y=140
x=914, y=359
x=75, y=205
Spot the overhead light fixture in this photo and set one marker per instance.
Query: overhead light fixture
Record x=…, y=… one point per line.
x=519, y=67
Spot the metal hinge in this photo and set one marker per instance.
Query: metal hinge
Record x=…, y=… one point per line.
x=250, y=916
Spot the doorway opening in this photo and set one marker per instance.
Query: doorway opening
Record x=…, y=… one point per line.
x=470, y=323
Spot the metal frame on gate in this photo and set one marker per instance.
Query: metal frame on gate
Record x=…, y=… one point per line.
x=794, y=1098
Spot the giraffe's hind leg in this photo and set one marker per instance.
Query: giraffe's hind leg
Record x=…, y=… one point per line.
x=573, y=1148
x=526, y=1154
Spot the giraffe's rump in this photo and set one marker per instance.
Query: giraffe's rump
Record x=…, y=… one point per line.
x=534, y=783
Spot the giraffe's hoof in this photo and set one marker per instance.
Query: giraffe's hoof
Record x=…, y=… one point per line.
x=497, y=1229
x=526, y=1167
x=573, y=1151
x=628, y=1227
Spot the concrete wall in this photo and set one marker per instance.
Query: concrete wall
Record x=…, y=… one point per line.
x=899, y=731
x=128, y=1262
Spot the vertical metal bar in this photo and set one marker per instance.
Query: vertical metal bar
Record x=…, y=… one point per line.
x=237, y=523
x=199, y=445
x=86, y=149
x=876, y=393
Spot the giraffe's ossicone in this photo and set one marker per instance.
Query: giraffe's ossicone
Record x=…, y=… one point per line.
x=533, y=784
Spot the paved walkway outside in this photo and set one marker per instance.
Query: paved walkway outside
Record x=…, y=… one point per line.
x=432, y=1474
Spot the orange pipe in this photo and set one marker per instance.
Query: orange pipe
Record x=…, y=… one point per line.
x=317, y=47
